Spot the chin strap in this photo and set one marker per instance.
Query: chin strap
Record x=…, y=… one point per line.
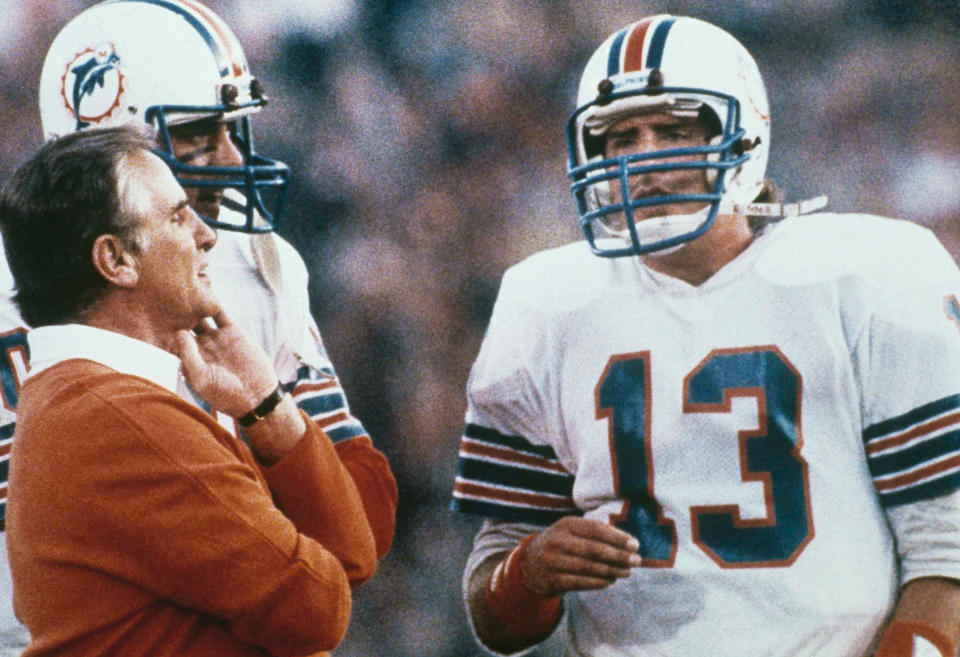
x=658, y=229
x=781, y=210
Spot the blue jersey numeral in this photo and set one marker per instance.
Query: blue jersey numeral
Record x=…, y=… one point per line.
x=623, y=399
x=770, y=455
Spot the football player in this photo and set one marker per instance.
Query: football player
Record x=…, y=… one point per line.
x=177, y=66
x=716, y=426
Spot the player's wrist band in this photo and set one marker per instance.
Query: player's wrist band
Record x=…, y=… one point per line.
x=910, y=638
x=516, y=606
x=264, y=408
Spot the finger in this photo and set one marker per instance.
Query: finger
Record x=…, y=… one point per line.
x=189, y=354
x=604, y=553
x=566, y=582
x=564, y=539
x=552, y=573
x=573, y=565
x=601, y=531
x=221, y=319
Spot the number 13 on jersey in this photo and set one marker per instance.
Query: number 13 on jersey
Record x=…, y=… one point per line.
x=769, y=455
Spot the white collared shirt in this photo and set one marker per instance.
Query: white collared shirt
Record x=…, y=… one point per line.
x=50, y=345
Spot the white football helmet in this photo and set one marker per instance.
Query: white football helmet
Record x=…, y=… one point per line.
x=164, y=62
x=677, y=65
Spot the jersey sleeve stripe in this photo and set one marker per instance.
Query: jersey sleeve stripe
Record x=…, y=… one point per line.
x=905, y=422
x=331, y=413
x=532, y=480
x=932, y=488
x=508, y=504
x=487, y=455
x=328, y=421
x=510, y=496
x=319, y=395
x=918, y=474
x=329, y=408
x=927, y=480
x=507, y=456
x=340, y=426
x=915, y=454
x=507, y=477
x=918, y=432
x=518, y=443
x=332, y=401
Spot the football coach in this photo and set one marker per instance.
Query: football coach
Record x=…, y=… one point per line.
x=137, y=524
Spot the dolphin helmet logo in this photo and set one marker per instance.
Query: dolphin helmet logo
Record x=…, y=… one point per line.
x=93, y=85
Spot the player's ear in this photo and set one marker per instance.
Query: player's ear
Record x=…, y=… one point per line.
x=115, y=261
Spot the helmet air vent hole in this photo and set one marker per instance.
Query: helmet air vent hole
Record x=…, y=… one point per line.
x=745, y=145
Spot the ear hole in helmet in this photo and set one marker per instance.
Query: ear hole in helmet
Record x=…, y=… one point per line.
x=745, y=145
x=710, y=121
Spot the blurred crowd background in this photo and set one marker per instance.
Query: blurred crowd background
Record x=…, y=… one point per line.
x=426, y=143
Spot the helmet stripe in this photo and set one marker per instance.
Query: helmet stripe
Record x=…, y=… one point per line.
x=223, y=62
x=658, y=42
x=234, y=50
x=613, y=58
x=633, y=54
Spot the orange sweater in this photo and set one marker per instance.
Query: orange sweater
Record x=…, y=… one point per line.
x=139, y=526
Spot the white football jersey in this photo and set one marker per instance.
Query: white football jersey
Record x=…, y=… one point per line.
x=751, y=432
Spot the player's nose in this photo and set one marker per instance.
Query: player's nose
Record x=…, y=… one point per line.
x=226, y=153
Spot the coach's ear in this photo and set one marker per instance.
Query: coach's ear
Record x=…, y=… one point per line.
x=115, y=262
